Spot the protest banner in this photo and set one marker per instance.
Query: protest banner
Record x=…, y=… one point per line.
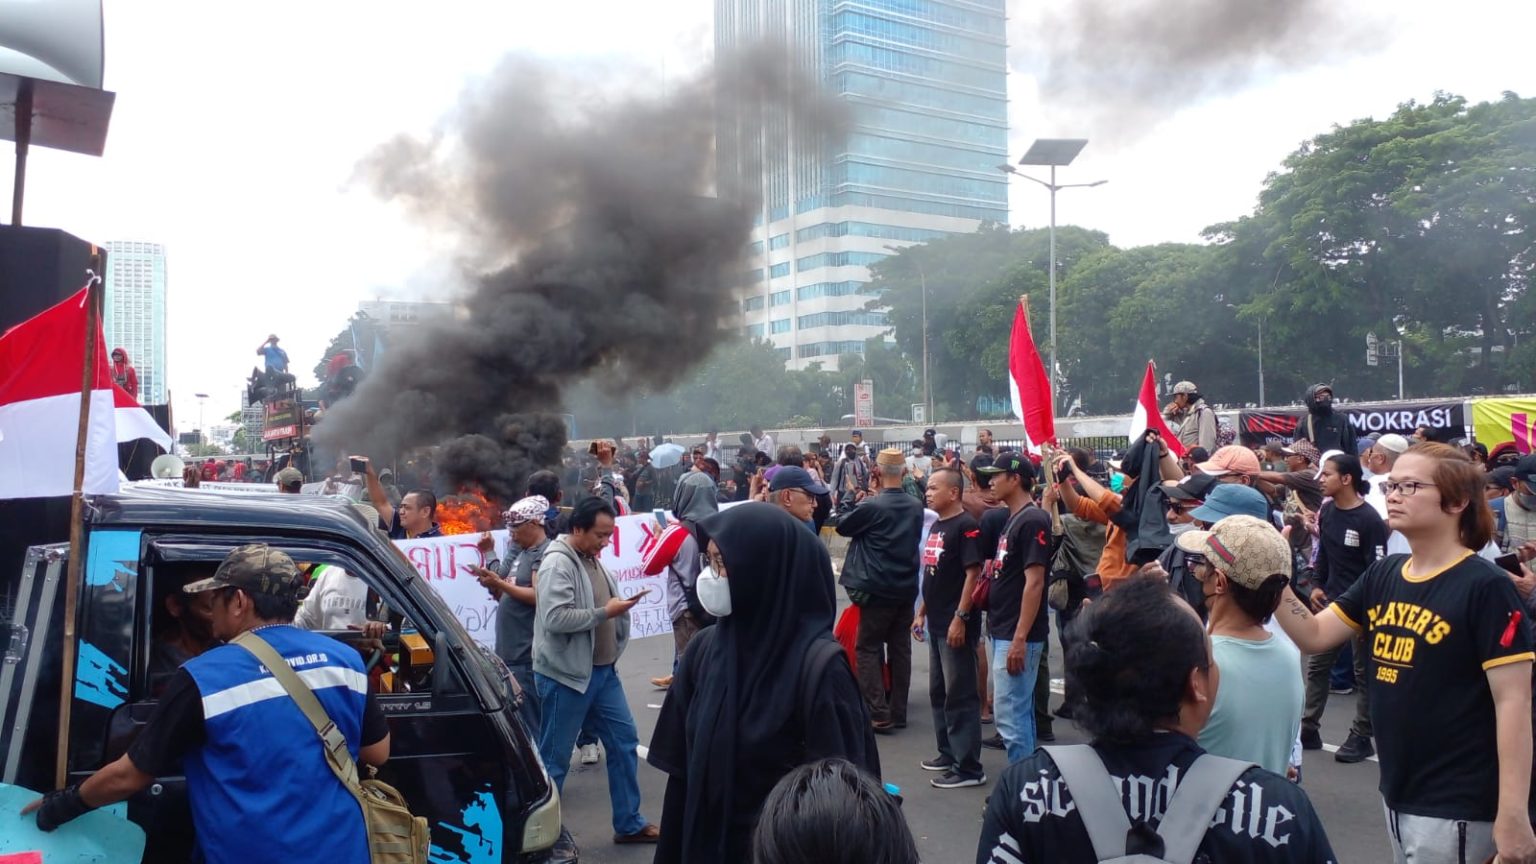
x=1502, y=420
x=1447, y=418
x=441, y=561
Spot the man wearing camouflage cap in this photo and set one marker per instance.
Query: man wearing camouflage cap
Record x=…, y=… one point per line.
x=254, y=766
x=1243, y=564
x=289, y=480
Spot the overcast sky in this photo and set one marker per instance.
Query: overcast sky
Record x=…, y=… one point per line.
x=238, y=127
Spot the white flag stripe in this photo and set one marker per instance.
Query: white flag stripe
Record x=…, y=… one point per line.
x=37, y=446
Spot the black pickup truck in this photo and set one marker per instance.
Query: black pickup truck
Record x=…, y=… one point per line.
x=459, y=753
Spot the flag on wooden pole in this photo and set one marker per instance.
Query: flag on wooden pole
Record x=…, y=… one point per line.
x=1028, y=385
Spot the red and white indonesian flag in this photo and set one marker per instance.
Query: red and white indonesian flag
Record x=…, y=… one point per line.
x=40, y=377
x=1149, y=416
x=1027, y=383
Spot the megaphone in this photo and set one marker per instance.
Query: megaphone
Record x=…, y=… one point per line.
x=167, y=467
x=60, y=40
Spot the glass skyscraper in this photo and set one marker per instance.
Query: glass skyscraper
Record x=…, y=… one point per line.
x=135, y=312
x=925, y=82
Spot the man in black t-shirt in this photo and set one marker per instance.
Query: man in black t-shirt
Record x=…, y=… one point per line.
x=1147, y=682
x=1016, y=608
x=951, y=564
x=1351, y=537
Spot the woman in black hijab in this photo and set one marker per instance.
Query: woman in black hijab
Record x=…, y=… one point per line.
x=735, y=720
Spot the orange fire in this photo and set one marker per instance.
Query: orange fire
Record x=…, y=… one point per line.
x=468, y=512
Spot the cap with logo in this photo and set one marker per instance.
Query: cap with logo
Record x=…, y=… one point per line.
x=1010, y=463
x=792, y=477
x=1231, y=499
x=1249, y=550
x=289, y=476
x=1231, y=459
x=257, y=568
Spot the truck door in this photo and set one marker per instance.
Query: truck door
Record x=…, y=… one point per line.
x=30, y=655
x=471, y=772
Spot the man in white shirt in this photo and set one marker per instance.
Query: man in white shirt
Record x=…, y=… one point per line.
x=762, y=441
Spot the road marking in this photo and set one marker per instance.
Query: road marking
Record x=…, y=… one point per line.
x=1059, y=686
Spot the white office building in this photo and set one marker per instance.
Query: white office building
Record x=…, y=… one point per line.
x=134, y=318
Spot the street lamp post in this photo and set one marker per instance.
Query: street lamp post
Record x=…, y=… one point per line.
x=202, y=436
x=1052, y=152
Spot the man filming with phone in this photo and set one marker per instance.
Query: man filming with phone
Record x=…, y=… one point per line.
x=580, y=627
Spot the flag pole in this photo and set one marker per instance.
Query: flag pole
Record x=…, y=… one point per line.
x=76, y=531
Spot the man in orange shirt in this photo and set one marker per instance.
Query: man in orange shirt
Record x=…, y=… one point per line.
x=1090, y=501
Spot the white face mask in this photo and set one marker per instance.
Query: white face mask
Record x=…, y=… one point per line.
x=714, y=593
x=1177, y=529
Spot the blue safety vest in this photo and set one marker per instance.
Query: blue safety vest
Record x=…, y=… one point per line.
x=260, y=787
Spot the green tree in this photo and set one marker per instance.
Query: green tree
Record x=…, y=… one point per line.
x=1419, y=224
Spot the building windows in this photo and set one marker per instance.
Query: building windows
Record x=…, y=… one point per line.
x=832, y=289
x=843, y=319
x=755, y=248
x=752, y=304
x=839, y=259
x=869, y=229
x=778, y=270
x=753, y=331
x=829, y=349
x=779, y=298
x=780, y=325
x=778, y=241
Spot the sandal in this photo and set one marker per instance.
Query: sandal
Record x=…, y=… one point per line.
x=649, y=834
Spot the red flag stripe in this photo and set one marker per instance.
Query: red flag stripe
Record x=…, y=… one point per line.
x=1029, y=386
x=41, y=357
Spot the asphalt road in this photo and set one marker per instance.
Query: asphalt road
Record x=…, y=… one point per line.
x=946, y=823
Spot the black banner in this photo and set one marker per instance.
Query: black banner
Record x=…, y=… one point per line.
x=1447, y=419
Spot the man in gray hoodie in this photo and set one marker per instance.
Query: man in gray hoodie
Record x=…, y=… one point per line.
x=580, y=628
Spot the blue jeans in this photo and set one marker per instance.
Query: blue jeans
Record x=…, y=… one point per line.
x=1013, y=700
x=604, y=709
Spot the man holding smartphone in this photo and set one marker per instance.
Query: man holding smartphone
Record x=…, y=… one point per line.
x=580, y=629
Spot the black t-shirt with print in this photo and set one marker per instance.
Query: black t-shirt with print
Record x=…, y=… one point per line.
x=953, y=544
x=1026, y=541
x=1432, y=638
x=1349, y=541
x=992, y=523
x=1031, y=815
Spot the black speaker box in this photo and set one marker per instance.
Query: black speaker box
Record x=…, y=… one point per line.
x=40, y=267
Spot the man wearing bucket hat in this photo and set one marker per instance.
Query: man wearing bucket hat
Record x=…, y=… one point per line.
x=1243, y=564
x=251, y=761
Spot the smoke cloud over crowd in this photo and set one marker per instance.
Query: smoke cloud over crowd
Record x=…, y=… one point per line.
x=1119, y=67
x=586, y=213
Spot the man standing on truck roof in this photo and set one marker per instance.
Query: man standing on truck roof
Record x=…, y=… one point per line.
x=253, y=764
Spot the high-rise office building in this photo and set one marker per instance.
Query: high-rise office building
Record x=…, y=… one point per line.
x=925, y=82
x=134, y=317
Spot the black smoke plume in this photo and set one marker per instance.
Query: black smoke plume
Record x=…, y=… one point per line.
x=1118, y=68
x=595, y=249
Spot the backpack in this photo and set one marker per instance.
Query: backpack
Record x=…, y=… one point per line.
x=1190, y=810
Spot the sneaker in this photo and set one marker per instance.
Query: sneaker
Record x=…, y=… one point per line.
x=936, y=764
x=956, y=780
x=994, y=743
x=1311, y=739
x=1341, y=691
x=564, y=851
x=589, y=755
x=1356, y=748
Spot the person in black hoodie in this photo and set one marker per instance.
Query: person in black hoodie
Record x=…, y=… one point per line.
x=880, y=575
x=1326, y=428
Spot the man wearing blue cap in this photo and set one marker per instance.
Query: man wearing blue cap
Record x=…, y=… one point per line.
x=795, y=490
